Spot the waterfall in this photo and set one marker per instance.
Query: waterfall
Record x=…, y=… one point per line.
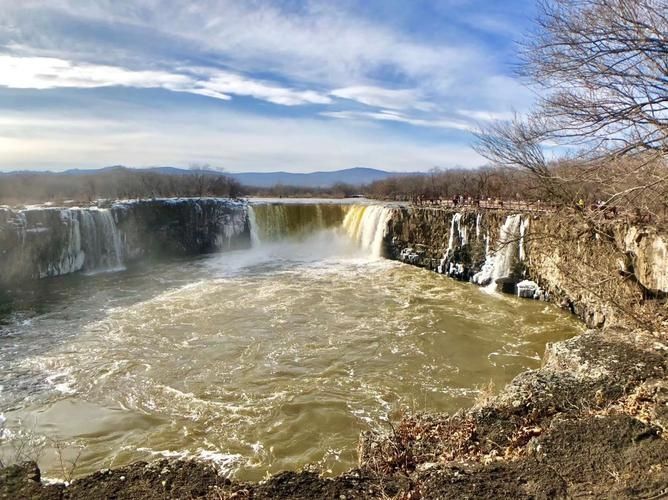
x=252, y=222
x=523, y=229
x=499, y=264
x=367, y=225
x=506, y=249
x=69, y=257
x=461, y=232
x=45, y=241
x=71, y=240
x=229, y=226
x=100, y=241
x=274, y=221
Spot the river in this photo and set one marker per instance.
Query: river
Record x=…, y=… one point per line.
x=260, y=360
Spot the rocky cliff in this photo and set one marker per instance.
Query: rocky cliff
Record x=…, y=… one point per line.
x=614, y=274
x=179, y=227
x=39, y=242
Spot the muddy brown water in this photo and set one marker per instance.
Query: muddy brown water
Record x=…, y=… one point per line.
x=262, y=360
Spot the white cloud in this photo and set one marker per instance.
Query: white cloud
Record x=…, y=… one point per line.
x=48, y=73
x=320, y=43
x=286, y=53
x=384, y=98
x=486, y=115
x=393, y=116
x=229, y=83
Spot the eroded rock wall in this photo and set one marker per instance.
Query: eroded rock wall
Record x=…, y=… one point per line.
x=180, y=227
x=616, y=274
x=41, y=242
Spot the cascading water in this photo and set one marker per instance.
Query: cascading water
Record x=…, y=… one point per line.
x=499, y=264
x=43, y=241
x=524, y=224
x=274, y=221
x=505, y=254
x=71, y=257
x=58, y=241
x=252, y=222
x=367, y=226
x=100, y=241
x=363, y=224
x=461, y=231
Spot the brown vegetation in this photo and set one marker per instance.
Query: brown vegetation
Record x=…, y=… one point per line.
x=478, y=184
x=114, y=183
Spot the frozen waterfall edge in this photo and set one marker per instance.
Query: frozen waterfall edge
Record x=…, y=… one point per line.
x=43, y=241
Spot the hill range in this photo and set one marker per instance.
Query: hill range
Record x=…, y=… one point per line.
x=355, y=176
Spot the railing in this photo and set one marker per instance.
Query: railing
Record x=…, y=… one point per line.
x=520, y=205
x=593, y=211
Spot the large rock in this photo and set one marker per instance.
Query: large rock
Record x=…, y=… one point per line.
x=648, y=252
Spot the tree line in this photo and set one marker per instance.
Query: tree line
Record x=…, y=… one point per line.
x=114, y=183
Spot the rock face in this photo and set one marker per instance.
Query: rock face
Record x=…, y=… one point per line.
x=43, y=241
x=586, y=270
x=179, y=227
x=487, y=248
x=648, y=253
x=454, y=243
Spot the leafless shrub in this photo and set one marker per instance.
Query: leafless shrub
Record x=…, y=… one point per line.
x=485, y=394
x=26, y=445
x=19, y=446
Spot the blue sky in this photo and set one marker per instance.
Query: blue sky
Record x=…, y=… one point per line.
x=255, y=85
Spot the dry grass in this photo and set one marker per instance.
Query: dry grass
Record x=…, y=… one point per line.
x=26, y=445
x=419, y=439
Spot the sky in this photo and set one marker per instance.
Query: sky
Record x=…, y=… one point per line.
x=255, y=85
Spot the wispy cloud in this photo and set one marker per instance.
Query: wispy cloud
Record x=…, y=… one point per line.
x=384, y=98
x=224, y=83
x=481, y=115
x=393, y=116
x=316, y=42
x=49, y=73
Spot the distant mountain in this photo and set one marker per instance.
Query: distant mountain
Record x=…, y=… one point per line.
x=355, y=176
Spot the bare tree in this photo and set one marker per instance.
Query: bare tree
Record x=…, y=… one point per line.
x=602, y=69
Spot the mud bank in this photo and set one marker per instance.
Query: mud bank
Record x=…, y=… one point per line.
x=589, y=423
